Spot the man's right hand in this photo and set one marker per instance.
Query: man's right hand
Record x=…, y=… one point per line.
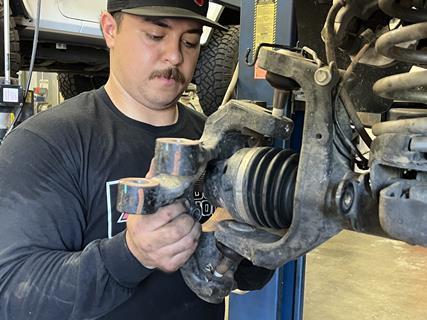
x=165, y=239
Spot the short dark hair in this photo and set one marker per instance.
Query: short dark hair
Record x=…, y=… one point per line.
x=118, y=16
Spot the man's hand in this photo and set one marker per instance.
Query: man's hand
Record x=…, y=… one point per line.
x=165, y=239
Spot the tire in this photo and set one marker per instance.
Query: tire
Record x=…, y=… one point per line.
x=215, y=68
x=71, y=85
x=15, y=57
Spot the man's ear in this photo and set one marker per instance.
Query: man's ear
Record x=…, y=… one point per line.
x=109, y=28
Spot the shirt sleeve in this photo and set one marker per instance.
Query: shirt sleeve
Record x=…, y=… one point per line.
x=45, y=272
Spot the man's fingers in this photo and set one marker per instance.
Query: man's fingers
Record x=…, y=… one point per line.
x=162, y=217
x=177, y=261
x=165, y=239
x=172, y=233
x=181, y=256
x=177, y=229
x=171, y=257
x=188, y=242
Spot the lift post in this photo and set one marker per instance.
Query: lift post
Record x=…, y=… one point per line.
x=268, y=21
x=11, y=95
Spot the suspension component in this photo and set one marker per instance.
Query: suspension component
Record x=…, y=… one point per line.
x=256, y=185
x=399, y=145
x=414, y=11
x=412, y=86
x=398, y=171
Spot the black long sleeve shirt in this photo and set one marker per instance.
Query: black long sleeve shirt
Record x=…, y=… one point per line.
x=63, y=253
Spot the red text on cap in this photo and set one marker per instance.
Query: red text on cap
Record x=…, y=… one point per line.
x=200, y=3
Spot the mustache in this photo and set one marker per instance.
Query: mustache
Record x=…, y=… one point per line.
x=171, y=73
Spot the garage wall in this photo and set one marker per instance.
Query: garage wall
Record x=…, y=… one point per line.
x=44, y=80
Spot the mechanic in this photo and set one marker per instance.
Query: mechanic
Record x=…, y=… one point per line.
x=65, y=253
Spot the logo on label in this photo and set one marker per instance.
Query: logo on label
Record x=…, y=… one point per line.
x=123, y=217
x=200, y=3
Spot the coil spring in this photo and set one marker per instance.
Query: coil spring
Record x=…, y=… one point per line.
x=272, y=186
x=409, y=87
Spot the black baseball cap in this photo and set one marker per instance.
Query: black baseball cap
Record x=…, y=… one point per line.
x=189, y=9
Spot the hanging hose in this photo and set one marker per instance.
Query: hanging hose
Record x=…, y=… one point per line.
x=328, y=32
x=232, y=86
x=34, y=51
x=346, y=99
x=328, y=35
x=6, y=7
x=30, y=72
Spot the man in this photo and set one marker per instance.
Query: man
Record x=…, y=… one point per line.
x=65, y=252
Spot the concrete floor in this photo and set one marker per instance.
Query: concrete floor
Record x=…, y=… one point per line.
x=355, y=276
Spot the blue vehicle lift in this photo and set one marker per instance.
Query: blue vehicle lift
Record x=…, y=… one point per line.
x=283, y=297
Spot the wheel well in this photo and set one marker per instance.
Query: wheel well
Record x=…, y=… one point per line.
x=230, y=17
x=18, y=9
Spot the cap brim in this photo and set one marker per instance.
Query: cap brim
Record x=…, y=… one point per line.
x=172, y=12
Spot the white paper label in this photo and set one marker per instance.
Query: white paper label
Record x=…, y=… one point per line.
x=10, y=95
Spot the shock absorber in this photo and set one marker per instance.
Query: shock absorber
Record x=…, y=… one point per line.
x=412, y=86
x=256, y=185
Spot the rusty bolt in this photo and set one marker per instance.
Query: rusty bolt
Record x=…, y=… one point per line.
x=323, y=76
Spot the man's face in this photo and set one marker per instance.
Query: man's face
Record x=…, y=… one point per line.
x=154, y=61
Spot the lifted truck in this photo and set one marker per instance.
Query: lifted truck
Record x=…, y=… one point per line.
x=71, y=44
